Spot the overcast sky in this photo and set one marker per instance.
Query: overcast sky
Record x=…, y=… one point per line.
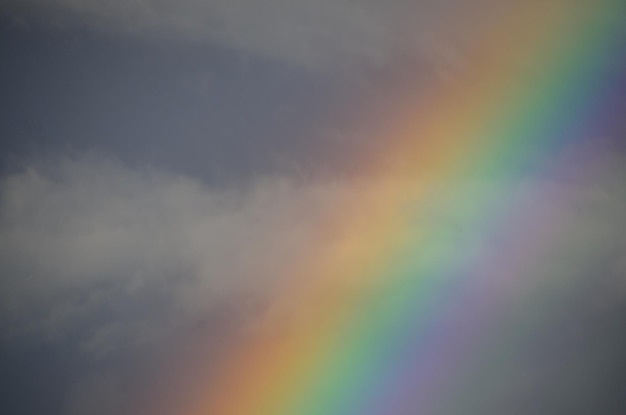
x=165, y=164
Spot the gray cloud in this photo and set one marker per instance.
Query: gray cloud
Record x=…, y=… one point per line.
x=113, y=261
x=122, y=266
x=83, y=237
x=152, y=250
x=316, y=34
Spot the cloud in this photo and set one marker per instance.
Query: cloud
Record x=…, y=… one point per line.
x=121, y=267
x=128, y=255
x=316, y=34
x=115, y=262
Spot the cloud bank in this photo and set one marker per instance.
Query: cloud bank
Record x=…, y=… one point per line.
x=150, y=250
x=81, y=236
x=113, y=261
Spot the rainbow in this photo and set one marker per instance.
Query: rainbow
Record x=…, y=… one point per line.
x=404, y=310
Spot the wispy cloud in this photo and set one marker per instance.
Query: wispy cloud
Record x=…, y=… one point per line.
x=317, y=34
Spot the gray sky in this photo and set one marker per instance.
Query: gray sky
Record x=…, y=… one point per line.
x=165, y=164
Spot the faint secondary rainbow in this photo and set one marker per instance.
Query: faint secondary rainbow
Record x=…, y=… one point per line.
x=398, y=314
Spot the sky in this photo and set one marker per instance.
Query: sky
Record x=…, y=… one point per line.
x=166, y=167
